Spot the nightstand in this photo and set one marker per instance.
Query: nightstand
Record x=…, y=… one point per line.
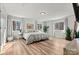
x=17, y=34
x=10, y=38
x=20, y=35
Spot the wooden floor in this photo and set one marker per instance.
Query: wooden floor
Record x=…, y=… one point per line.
x=48, y=47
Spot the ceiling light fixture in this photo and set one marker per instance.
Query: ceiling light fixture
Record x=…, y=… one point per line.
x=43, y=13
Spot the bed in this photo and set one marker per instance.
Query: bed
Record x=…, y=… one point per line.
x=34, y=36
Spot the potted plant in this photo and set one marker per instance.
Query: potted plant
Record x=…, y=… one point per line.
x=77, y=34
x=68, y=34
x=45, y=28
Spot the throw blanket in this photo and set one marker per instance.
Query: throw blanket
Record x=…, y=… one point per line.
x=34, y=36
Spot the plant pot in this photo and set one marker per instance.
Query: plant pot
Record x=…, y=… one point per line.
x=69, y=38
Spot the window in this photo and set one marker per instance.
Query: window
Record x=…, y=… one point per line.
x=39, y=26
x=16, y=25
x=59, y=26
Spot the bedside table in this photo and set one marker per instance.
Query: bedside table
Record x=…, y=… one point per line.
x=10, y=38
x=17, y=34
x=20, y=35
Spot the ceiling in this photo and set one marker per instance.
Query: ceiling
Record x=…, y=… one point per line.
x=33, y=10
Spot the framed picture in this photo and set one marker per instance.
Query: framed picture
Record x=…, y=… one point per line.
x=30, y=26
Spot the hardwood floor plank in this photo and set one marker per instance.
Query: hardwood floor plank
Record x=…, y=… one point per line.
x=47, y=47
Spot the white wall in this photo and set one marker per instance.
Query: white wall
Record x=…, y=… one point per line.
x=68, y=21
x=71, y=20
x=0, y=25
x=10, y=24
x=77, y=27
x=24, y=22
x=58, y=33
x=51, y=30
x=3, y=29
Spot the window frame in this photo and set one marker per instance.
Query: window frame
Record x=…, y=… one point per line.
x=58, y=25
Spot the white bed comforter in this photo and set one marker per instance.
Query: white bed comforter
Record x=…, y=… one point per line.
x=34, y=36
